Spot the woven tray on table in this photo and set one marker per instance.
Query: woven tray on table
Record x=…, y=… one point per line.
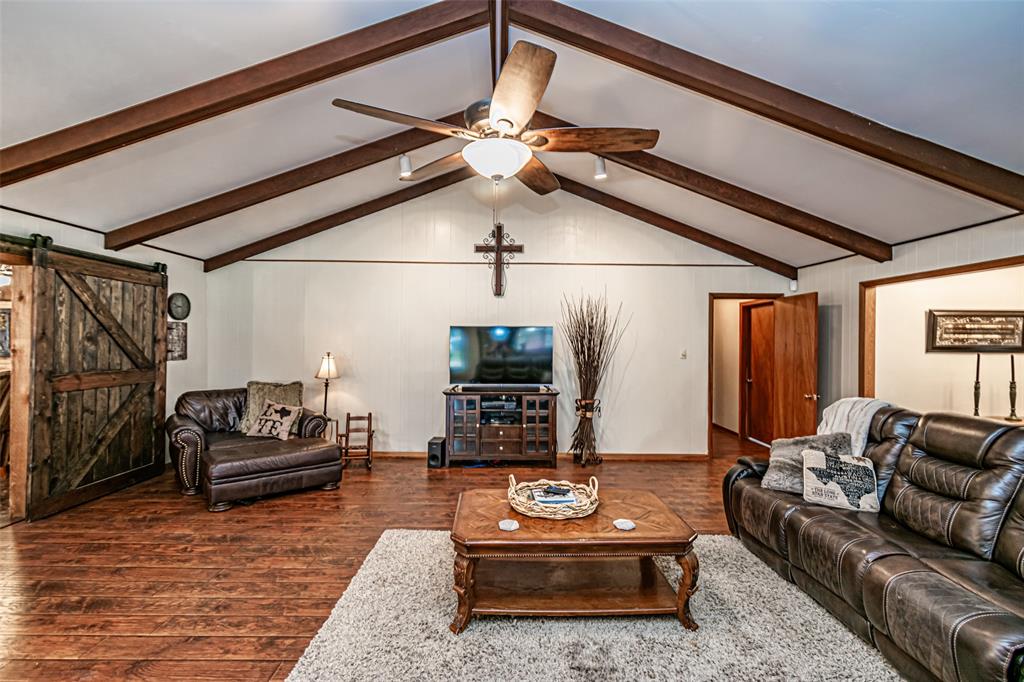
x=585, y=504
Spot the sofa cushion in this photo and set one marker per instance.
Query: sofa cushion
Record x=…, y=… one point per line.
x=1009, y=549
x=275, y=421
x=835, y=551
x=955, y=479
x=915, y=544
x=215, y=411
x=951, y=631
x=259, y=392
x=890, y=429
x=844, y=482
x=762, y=512
x=271, y=456
x=786, y=461
x=231, y=439
x=988, y=580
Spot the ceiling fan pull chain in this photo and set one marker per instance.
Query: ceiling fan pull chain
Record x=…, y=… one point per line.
x=494, y=202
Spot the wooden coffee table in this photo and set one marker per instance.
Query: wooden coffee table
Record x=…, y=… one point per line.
x=578, y=567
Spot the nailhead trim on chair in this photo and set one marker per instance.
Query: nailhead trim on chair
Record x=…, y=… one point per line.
x=318, y=420
x=184, y=448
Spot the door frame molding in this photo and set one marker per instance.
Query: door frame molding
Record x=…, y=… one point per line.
x=866, y=311
x=743, y=408
x=712, y=297
x=20, y=257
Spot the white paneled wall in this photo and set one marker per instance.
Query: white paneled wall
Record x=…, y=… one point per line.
x=838, y=285
x=388, y=322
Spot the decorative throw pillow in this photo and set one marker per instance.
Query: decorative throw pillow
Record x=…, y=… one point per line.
x=844, y=482
x=274, y=421
x=259, y=392
x=786, y=463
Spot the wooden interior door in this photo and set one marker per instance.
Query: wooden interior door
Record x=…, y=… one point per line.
x=99, y=379
x=757, y=370
x=796, y=365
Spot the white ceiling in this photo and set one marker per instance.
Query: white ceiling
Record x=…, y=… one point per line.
x=771, y=159
x=262, y=139
x=66, y=61
x=950, y=71
x=103, y=55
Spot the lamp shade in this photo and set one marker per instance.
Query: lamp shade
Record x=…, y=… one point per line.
x=497, y=157
x=328, y=368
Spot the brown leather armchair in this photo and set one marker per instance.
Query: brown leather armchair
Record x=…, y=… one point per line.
x=936, y=580
x=205, y=419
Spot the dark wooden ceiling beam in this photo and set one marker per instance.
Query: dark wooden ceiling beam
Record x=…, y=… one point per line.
x=738, y=197
x=667, y=62
x=274, y=186
x=335, y=219
x=675, y=227
x=503, y=46
x=246, y=86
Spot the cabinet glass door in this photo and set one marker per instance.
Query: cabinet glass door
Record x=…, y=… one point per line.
x=465, y=425
x=537, y=423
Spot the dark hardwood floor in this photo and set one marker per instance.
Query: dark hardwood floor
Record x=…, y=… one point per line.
x=146, y=583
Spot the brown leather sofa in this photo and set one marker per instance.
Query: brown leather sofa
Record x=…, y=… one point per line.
x=210, y=453
x=936, y=580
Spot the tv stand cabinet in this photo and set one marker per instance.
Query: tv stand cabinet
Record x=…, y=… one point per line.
x=501, y=423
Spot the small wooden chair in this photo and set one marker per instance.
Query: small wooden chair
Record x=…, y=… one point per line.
x=362, y=450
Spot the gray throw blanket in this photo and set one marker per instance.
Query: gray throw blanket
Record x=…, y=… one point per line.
x=852, y=416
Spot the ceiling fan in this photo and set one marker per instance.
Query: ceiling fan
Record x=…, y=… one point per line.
x=501, y=143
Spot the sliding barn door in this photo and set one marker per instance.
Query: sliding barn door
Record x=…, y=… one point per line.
x=98, y=399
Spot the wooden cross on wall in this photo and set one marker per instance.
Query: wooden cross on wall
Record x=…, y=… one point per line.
x=498, y=249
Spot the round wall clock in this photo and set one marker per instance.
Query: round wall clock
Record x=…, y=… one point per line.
x=178, y=306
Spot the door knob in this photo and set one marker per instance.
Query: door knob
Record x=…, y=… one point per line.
x=811, y=396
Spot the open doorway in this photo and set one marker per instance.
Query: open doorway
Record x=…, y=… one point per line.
x=725, y=377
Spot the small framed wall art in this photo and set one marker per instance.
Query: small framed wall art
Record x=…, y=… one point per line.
x=177, y=341
x=975, y=331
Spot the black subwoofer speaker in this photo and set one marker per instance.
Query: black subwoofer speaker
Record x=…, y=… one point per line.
x=437, y=455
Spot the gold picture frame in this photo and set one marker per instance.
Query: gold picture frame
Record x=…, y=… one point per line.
x=974, y=331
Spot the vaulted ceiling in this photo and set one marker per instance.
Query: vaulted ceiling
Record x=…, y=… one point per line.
x=247, y=168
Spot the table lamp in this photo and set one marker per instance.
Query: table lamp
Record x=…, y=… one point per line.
x=328, y=370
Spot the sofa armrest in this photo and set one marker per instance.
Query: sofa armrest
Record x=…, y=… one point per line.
x=311, y=424
x=188, y=441
x=758, y=465
x=745, y=467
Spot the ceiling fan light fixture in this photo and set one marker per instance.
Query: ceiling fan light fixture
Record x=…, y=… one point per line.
x=600, y=172
x=404, y=166
x=497, y=158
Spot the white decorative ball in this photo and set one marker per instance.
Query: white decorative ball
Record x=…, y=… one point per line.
x=508, y=524
x=624, y=524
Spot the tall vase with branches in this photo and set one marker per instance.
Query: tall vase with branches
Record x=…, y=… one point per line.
x=592, y=335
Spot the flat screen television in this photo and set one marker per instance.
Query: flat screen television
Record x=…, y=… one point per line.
x=500, y=355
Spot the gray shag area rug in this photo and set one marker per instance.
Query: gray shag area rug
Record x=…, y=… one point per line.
x=392, y=624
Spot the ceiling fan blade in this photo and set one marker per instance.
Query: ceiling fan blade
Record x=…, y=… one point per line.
x=591, y=139
x=405, y=119
x=436, y=167
x=520, y=86
x=537, y=177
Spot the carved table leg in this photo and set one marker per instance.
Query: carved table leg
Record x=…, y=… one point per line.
x=687, y=586
x=465, y=568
